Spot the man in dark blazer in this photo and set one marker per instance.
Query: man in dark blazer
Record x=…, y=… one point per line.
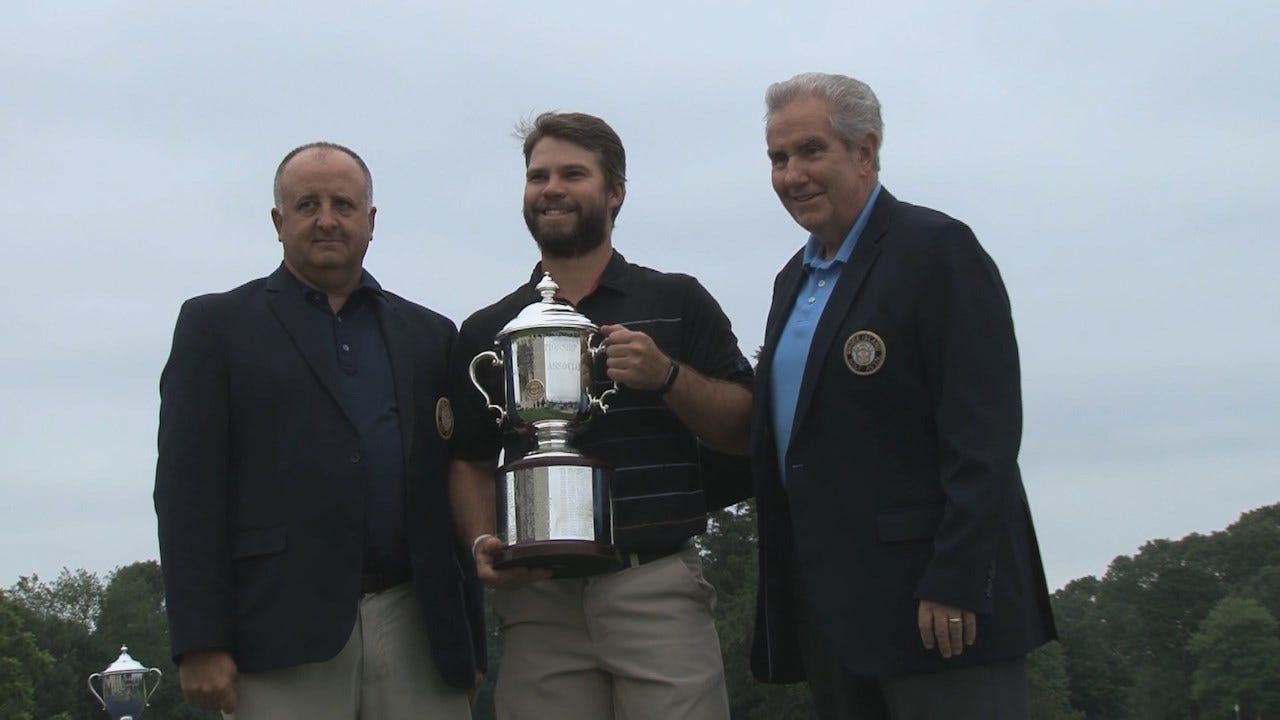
x=305, y=537
x=899, y=571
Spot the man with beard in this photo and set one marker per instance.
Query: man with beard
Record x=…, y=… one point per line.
x=639, y=642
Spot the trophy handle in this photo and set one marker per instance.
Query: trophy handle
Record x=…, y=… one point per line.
x=471, y=370
x=600, y=403
x=146, y=699
x=95, y=692
x=598, y=347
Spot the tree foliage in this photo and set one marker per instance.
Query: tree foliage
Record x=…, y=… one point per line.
x=22, y=662
x=1133, y=640
x=1098, y=675
x=61, y=615
x=73, y=597
x=1049, y=685
x=1182, y=630
x=1238, y=653
x=729, y=562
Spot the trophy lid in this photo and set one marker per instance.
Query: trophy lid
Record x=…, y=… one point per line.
x=548, y=312
x=124, y=663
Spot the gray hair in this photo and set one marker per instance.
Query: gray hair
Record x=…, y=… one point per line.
x=855, y=111
x=323, y=145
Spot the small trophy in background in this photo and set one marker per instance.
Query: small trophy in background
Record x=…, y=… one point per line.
x=124, y=687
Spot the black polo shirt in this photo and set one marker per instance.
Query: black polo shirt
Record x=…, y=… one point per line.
x=369, y=400
x=661, y=471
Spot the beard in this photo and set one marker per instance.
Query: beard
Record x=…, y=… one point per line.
x=586, y=235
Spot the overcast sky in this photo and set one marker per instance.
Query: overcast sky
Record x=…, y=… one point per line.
x=1117, y=159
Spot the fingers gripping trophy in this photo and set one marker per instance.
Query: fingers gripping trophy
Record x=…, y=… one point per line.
x=554, y=505
x=124, y=687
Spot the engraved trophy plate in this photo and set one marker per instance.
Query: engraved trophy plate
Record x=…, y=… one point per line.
x=547, y=383
x=555, y=513
x=554, y=507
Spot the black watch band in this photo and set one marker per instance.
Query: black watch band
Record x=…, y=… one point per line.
x=671, y=378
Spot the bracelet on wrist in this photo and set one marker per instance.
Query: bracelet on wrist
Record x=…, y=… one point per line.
x=671, y=378
x=476, y=543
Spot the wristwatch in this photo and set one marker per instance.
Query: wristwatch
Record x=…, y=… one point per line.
x=671, y=378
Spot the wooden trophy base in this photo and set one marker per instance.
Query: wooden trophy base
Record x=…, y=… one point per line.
x=564, y=558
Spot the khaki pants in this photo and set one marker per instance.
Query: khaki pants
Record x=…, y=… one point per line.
x=385, y=672
x=638, y=644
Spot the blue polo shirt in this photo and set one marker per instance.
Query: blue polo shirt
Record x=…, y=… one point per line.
x=792, y=352
x=369, y=397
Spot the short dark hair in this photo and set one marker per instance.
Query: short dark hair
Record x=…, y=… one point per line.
x=323, y=145
x=587, y=131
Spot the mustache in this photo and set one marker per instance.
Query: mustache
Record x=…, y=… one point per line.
x=544, y=206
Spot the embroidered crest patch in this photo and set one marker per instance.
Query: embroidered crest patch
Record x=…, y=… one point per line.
x=444, y=418
x=864, y=352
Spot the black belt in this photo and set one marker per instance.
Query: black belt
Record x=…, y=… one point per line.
x=376, y=582
x=636, y=558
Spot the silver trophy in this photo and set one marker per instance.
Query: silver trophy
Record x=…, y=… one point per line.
x=124, y=687
x=554, y=505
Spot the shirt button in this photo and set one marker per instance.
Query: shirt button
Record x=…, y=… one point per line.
x=812, y=300
x=355, y=457
x=339, y=318
x=822, y=283
x=346, y=347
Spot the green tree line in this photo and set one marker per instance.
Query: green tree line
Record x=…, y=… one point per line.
x=1181, y=630
x=55, y=633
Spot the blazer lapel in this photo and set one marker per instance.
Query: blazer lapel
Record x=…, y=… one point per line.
x=784, y=293
x=783, y=298
x=841, y=302
x=308, y=336
x=395, y=334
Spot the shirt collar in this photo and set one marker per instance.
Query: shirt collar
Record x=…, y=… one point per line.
x=614, y=277
x=813, y=248
x=367, y=284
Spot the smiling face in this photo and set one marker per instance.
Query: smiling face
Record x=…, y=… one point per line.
x=568, y=206
x=820, y=181
x=324, y=221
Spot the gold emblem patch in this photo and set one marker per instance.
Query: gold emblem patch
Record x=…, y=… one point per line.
x=864, y=352
x=444, y=418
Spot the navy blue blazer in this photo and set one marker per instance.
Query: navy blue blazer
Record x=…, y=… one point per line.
x=902, y=472
x=259, y=476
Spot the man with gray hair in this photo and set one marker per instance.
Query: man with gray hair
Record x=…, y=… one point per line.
x=899, y=570
x=305, y=538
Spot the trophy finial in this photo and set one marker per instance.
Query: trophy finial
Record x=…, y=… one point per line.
x=547, y=287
